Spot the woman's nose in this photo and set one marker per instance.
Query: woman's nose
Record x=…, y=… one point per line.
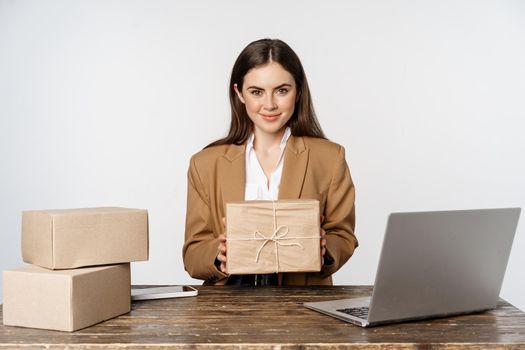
x=269, y=102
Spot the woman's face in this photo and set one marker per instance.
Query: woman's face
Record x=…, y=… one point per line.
x=269, y=94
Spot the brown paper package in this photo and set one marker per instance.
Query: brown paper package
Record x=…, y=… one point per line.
x=256, y=243
x=65, y=300
x=72, y=238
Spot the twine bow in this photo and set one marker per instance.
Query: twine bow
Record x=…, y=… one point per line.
x=275, y=238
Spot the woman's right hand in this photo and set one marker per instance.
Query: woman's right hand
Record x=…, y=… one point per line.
x=222, y=253
x=221, y=256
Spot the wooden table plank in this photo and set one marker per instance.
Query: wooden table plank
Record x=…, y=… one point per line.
x=267, y=317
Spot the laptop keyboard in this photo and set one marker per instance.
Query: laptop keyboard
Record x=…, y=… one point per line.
x=360, y=312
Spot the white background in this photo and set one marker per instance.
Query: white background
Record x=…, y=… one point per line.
x=103, y=102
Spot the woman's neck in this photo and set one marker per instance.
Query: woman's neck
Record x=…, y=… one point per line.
x=267, y=141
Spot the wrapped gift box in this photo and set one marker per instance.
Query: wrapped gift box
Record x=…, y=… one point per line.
x=65, y=300
x=273, y=236
x=71, y=238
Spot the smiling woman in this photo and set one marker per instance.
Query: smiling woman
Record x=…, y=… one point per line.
x=275, y=149
x=269, y=94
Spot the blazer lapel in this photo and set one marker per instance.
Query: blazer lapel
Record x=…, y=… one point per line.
x=231, y=176
x=294, y=168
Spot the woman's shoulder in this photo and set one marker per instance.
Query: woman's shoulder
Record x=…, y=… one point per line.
x=324, y=154
x=322, y=146
x=208, y=156
x=206, y=159
x=210, y=153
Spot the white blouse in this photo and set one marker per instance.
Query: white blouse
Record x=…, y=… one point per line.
x=257, y=186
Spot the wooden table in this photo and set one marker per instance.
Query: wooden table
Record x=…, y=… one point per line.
x=271, y=317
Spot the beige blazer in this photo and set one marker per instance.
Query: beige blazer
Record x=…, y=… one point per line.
x=313, y=168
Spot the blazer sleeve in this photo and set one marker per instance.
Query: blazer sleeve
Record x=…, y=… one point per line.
x=339, y=217
x=201, y=242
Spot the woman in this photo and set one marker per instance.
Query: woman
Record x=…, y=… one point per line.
x=275, y=149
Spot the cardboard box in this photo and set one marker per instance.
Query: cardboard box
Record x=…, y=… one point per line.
x=65, y=300
x=71, y=238
x=273, y=236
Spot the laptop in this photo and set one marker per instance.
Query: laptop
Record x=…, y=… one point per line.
x=434, y=264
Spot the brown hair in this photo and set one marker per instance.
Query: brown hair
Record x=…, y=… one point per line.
x=302, y=123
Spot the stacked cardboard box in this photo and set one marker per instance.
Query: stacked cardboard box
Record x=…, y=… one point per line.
x=80, y=272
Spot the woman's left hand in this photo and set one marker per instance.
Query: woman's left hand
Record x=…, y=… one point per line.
x=323, y=242
x=323, y=245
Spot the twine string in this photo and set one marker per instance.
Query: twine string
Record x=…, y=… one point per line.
x=279, y=233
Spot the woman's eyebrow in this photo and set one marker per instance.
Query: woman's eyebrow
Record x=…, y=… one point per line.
x=275, y=88
x=283, y=85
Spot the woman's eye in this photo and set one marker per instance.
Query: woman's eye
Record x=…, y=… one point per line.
x=282, y=91
x=256, y=92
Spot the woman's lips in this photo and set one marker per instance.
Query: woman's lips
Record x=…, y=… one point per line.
x=270, y=118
